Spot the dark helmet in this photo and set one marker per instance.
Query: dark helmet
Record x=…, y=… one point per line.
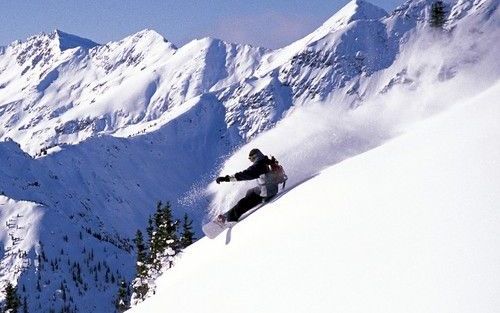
x=255, y=155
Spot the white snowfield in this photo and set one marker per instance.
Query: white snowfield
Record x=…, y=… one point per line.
x=93, y=135
x=411, y=226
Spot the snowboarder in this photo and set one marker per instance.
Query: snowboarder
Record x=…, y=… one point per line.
x=261, y=169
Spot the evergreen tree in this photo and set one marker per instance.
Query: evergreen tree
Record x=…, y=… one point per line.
x=141, y=254
x=165, y=242
x=438, y=14
x=122, y=303
x=150, y=229
x=187, y=236
x=140, y=283
x=12, y=301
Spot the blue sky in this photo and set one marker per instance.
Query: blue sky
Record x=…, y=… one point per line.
x=268, y=23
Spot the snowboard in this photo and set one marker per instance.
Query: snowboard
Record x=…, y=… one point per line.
x=214, y=228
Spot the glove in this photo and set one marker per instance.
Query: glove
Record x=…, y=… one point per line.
x=222, y=179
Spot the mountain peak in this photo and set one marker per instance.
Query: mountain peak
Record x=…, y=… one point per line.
x=147, y=32
x=148, y=36
x=69, y=41
x=355, y=10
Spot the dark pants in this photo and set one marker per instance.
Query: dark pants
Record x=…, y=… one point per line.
x=251, y=199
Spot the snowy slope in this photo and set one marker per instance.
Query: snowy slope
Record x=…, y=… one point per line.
x=127, y=123
x=50, y=96
x=411, y=226
x=92, y=198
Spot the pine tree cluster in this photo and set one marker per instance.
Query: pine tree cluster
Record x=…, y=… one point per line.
x=12, y=301
x=166, y=238
x=438, y=14
x=89, y=270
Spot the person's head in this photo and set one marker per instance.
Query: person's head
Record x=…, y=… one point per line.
x=255, y=155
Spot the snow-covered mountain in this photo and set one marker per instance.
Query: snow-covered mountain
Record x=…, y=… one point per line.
x=54, y=95
x=413, y=225
x=95, y=134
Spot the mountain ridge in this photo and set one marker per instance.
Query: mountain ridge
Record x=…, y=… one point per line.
x=325, y=62
x=108, y=131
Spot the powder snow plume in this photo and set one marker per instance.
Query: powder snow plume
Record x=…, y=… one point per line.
x=320, y=134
